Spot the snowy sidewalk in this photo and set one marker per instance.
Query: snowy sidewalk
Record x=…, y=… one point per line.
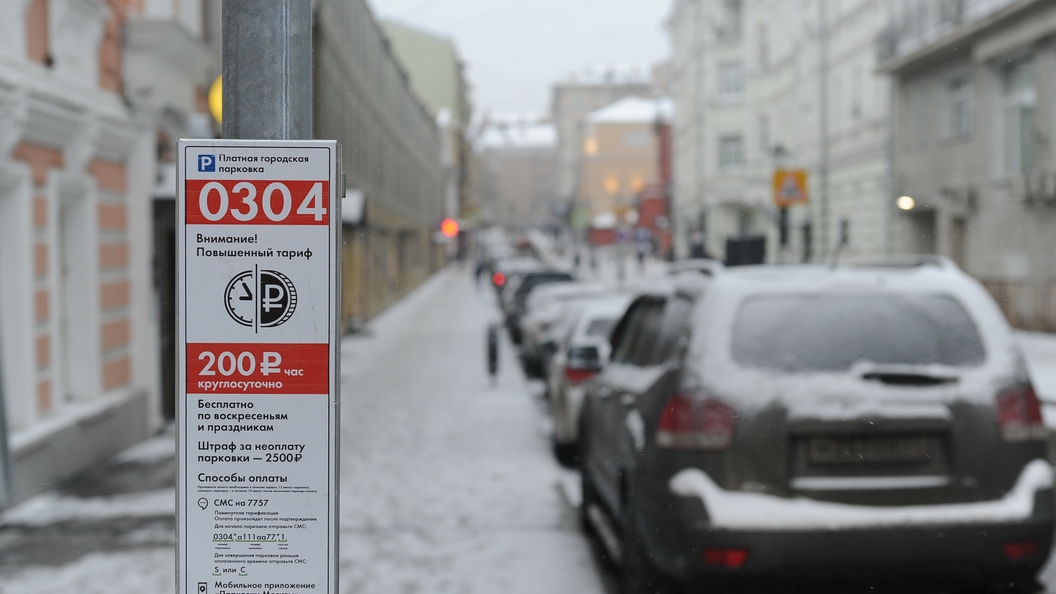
x=447, y=483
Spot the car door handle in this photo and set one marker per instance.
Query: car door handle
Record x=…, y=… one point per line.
x=627, y=399
x=604, y=392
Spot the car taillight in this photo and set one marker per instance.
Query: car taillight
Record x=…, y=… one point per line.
x=578, y=376
x=1020, y=549
x=499, y=279
x=732, y=558
x=1019, y=415
x=690, y=424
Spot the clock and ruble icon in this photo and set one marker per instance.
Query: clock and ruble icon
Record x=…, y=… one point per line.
x=260, y=298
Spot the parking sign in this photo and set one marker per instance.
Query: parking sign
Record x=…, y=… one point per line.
x=257, y=367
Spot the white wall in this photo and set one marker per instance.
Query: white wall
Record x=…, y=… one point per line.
x=17, y=345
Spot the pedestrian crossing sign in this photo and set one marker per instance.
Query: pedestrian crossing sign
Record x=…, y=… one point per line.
x=790, y=187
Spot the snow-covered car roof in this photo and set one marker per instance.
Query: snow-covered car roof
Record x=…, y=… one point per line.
x=565, y=291
x=608, y=308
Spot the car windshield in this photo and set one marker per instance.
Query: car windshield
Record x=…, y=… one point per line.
x=833, y=332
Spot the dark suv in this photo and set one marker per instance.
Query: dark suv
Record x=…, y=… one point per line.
x=867, y=423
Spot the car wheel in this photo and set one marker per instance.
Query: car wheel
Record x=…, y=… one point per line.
x=638, y=574
x=567, y=454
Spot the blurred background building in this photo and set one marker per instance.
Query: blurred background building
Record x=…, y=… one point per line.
x=573, y=99
x=766, y=84
x=620, y=159
x=973, y=162
x=365, y=100
x=437, y=76
x=517, y=156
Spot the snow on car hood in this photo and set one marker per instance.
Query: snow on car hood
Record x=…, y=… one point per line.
x=738, y=510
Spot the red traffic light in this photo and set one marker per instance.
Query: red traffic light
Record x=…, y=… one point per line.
x=449, y=227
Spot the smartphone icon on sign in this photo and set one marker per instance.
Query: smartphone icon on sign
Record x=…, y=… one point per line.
x=203, y=587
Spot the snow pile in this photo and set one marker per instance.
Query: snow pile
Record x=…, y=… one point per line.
x=150, y=571
x=149, y=451
x=50, y=508
x=757, y=511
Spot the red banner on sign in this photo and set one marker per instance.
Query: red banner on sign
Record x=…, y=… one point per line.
x=253, y=368
x=257, y=202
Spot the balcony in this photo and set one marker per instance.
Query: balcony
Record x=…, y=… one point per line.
x=928, y=21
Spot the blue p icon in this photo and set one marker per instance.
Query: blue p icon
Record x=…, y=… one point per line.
x=207, y=163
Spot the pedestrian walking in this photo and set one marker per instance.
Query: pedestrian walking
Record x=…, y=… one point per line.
x=493, y=352
x=481, y=269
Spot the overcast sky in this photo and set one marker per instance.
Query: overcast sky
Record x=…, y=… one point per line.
x=515, y=49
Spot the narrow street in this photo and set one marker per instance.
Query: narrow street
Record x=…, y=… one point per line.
x=448, y=483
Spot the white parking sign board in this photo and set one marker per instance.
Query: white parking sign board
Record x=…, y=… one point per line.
x=257, y=369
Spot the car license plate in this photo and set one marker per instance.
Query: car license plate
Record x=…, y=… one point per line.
x=828, y=450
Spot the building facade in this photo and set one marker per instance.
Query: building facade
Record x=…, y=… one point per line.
x=518, y=164
x=583, y=92
x=974, y=87
x=620, y=155
x=766, y=84
x=79, y=358
x=391, y=150
x=437, y=75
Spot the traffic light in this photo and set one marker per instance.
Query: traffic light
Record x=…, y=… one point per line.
x=449, y=227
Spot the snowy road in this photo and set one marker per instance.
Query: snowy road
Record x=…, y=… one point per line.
x=447, y=486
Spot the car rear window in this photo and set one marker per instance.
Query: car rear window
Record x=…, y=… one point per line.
x=832, y=332
x=601, y=327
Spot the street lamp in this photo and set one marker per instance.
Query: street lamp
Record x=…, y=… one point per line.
x=905, y=203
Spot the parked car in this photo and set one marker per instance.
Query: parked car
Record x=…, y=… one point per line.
x=541, y=311
x=864, y=422
x=514, y=297
x=508, y=271
x=579, y=354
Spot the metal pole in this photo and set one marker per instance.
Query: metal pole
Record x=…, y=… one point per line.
x=267, y=69
x=699, y=164
x=823, y=120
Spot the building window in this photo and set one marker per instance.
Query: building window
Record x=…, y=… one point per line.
x=731, y=153
x=960, y=97
x=731, y=79
x=1020, y=102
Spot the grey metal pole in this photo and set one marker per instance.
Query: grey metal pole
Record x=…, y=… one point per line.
x=267, y=69
x=823, y=120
